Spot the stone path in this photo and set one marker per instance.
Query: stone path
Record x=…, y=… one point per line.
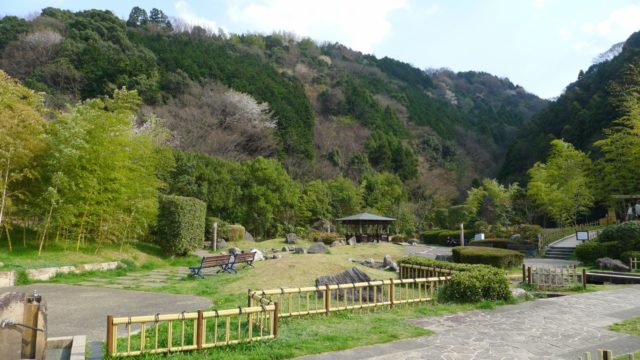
x=153, y=278
x=428, y=251
x=557, y=328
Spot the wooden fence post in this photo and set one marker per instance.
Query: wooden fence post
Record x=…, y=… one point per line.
x=529, y=275
x=391, y=292
x=199, y=329
x=584, y=278
x=524, y=273
x=276, y=313
x=249, y=298
x=110, y=347
x=327, y=300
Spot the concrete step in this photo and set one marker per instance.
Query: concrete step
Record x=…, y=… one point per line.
x=559, y=252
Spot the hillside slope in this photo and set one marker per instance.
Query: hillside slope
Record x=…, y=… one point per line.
x=579, y=116
x=321, y=109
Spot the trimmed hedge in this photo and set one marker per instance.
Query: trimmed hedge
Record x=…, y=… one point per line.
x=589, y=251
x=236, y=232
x=325, y=237
x=627, y=235
x=495, y=243
x=500, y=258
x=439, y=237
x=181, y=224
x=486, y=283
x=472, y=282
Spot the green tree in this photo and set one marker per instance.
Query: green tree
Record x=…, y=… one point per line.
x=561, y=185
x=383, y=193
x=100, y=172
x=137, y=17
x=492, y=202
x=345, y=197
x=21, y=138
x=315, y=202
x=620, y=163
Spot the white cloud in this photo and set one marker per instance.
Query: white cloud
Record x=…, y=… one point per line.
x=564, y=33
x=619, y=25
x=184, y=11
x=359, y=24
x=581, y=45
x=538, y=3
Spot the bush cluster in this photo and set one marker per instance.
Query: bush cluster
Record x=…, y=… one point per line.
x=181, y=223
x=483, y=283
x=223, y=228
x=325, y=237
x=495, y=243
x=471, y=283
x=236, y=232
x=500, y=258
x=439, y=237
x=614, y=241
x=625, y=256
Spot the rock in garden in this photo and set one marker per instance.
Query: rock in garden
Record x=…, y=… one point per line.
x=444, y=257
x=292, y=248
x=234, y=251
x=352, y=240
x=393, y=267
x=413, y=242
x=354, y=275
x=276, y=256
x=369, y=262
x=221, y=244
x=259, y=256
x=386, y=262
x=284, y=249
x=274, y=250
x=337, y=243
x=291, y=238
x=318, y=248
x=300, y=250
x=611, y=264
x=248, y=236
x=518, y=293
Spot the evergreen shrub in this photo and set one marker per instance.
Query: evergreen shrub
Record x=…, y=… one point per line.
x=500, y=258
x=181, y=224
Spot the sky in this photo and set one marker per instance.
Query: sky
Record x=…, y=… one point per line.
x=538, y=44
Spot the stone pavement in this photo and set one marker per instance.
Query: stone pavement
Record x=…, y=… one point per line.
x=555, y=328
x=429, y=251
x=149, y=279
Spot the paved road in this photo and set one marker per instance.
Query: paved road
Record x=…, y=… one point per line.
x=558, y=328
x=81, y=310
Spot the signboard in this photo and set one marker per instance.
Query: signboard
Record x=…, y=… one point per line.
x=582, y=235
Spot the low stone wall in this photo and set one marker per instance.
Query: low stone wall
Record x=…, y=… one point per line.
x=8, y=278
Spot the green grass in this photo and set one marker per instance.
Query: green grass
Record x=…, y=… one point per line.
x=319, y=333
x=629, y=326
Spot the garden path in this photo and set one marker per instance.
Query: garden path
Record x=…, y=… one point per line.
x=555, y=328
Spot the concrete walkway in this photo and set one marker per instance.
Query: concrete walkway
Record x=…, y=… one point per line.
x=572, y=241
x=557, y=328
x=80, y=310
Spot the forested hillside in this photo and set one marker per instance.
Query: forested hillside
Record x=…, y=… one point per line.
x=275, y=125
x=588, y=107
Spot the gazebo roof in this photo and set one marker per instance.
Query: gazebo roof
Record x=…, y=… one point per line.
x=365, y=216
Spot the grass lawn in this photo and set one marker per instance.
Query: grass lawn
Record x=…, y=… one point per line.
x=629, y=326
x=319, y=333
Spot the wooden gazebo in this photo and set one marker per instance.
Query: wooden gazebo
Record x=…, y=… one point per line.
x=367, y=227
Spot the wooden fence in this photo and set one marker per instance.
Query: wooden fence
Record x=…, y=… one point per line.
x=552, y=277
x=330, y=298
x=633, y=264
x=410, y=271
x=606, y=355
x=190, y=331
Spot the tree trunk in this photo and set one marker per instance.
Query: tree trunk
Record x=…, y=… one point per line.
x=4, y=191
x=46, y=226
x=6, y=229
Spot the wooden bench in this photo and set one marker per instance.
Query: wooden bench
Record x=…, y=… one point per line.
x=246, y=258
x=225, y=262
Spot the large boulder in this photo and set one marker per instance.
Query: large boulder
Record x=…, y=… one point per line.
x=291, y=238
x=611, y=264
x=337, y=243
x=387, y=261
x=393, y=267
x=318, y=248
x=353, y=275
x=352, y=240
x=369, y=262
x=221, y=244
x=259, y=256
x=413, y=242
x=248, y=236
x=300, y=250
